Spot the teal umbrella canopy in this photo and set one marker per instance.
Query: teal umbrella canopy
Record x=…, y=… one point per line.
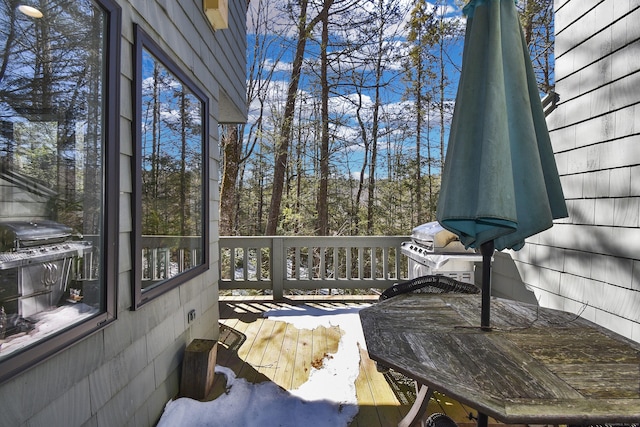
x=500, y=181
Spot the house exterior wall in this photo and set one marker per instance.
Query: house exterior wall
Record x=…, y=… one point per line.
x=589, y=263
x=27, y=205
x=126, y=372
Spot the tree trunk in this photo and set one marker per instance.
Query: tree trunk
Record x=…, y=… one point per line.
x=374, y=133
x=365, y=165
x=184, y=209
x=418, y=171
x=231, y=144
x=282, y=145
x=322, y=203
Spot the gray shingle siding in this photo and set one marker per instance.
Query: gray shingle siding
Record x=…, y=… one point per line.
x=590, y=262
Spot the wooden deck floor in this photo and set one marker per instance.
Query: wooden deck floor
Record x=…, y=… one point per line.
x=265, y=350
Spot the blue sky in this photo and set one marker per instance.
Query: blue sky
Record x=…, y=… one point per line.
x=279, y=56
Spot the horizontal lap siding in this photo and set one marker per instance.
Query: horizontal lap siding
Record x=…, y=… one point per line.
x=590, y=262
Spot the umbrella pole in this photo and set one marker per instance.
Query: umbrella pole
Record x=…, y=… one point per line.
x=483, y=420
x=486, y=249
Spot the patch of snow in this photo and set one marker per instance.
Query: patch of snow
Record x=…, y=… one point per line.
x=327, y=399
x=47, y=323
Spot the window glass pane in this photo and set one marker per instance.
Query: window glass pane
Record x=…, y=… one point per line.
x=51, y=169
x=171, y=175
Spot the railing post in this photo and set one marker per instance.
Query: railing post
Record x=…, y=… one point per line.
x=277, y=267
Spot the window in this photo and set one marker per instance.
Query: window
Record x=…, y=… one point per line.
x=58, y=143
x=171, y=156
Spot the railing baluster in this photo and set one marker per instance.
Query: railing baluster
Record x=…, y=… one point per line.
x=154, y=257
x=278, y=267
x=166, y=263
x=385, y=263
x=194, y=256
x=245, y=264
x=258, y=263
x=321, y=269
x=233, y=264
x=374, y=264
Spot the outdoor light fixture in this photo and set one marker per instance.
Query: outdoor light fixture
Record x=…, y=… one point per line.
x=218, y=13
x=30, y=11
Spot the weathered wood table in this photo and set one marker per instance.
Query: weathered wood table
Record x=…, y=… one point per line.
x=535, y=365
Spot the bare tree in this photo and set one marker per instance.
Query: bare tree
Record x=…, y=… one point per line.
x=237, y=146
x=367, y=55
x=284, y=138
x=340, y=54
x=537, y=20
x=420, y=76
x=231, y=152
x=322, y=203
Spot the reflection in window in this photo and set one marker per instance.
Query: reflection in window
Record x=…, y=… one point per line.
x=52, y=164
x=171, y=174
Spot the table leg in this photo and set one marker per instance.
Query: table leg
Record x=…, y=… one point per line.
x=483, y=420
x=412, y=419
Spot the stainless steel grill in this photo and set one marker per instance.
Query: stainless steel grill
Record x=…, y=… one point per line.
x=37, y=262
x=16, y=235
x=436, y=251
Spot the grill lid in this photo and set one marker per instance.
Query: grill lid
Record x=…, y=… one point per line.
x=15, y=235
x=432, y=235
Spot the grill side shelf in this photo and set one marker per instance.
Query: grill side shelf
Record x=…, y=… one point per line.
x=27, y=257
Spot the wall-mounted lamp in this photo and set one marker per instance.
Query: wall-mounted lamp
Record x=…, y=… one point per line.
x=218, y=13
x=30, y=11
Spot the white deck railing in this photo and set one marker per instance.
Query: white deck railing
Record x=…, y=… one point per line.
x=304, y=263
x=166, y=256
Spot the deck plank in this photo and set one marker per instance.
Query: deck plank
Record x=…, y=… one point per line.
x=318, y=346
x=368, y=392
x=240, y=322
x=284, y=371
x=269, y=361
x=303, y=358
x=245, y=352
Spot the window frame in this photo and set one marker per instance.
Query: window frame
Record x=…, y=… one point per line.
x=142, y=41
x=60, y=341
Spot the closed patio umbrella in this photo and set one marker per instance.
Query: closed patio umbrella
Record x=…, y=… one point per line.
x=500, y=183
